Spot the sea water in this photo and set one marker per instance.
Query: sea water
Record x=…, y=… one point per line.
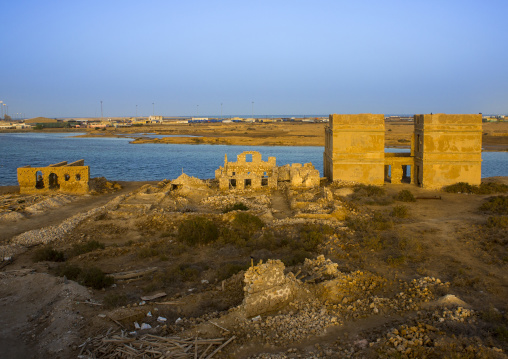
x=118, y=159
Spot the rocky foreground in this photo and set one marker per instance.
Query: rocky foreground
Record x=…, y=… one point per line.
x=336, y=271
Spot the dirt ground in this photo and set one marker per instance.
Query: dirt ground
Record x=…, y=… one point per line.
x=398, y=134
x=412, y=279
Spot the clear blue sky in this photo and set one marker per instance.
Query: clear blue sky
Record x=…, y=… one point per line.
x=61, y=58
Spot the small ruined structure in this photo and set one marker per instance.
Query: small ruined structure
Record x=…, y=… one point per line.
x=251, y=171
x=185, y=181
x=255, y=173
x=71, y=178
x=300, y=176
x=267, y=288
x=445, y=149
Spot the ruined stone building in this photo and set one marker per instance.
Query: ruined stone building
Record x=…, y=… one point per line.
x=250, y=170
x=71, y=178
x=445, y=149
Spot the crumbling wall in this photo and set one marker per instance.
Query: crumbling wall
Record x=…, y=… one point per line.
x=267, y=288
x=71, y=178
x=258, y=173
x=242, y=173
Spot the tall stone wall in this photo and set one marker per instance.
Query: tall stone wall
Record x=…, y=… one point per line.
x=447, y=149
x=354, y=148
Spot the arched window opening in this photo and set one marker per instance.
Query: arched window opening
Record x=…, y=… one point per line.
x=53, y=181
x=39, y=180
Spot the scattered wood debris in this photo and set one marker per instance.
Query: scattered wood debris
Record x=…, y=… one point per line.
x=154, y=296
x=133, y=275
x=150, y=346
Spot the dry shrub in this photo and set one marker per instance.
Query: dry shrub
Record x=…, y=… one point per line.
x=400, y=211
x=198, y=231
x=483, y=188
x=48, y=254
x=86, y=247
x=405, y=196
x=495, y=205
x=89, y=276
x=497, y=222
x=113, y=300
x=238, y=206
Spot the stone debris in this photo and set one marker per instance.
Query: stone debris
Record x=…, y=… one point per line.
x=58, y=232
x=267, y=288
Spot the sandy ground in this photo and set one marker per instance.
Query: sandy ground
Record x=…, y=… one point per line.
x=47, y=315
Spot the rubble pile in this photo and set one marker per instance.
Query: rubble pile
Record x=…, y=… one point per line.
x=300, y=320
x=259, y=202
x=317, y=204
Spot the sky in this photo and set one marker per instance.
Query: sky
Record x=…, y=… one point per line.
x=204, y=58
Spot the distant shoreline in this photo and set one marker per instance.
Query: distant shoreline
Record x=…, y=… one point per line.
x=398, y=134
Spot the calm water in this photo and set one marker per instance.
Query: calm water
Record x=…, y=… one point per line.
x=117, y=159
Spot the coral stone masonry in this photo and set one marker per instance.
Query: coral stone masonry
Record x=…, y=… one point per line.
x=62, y=177
x=445, y=149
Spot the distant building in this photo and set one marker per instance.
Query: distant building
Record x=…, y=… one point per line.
x=155, y=119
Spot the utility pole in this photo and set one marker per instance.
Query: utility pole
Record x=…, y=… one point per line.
x=153, y=108
x=221, y=110
x=101, y=111
x=136, y=111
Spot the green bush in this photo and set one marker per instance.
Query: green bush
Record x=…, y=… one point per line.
x=495, y=205
x=405, y=196
x=48, y=254
x=246, y=224
x=400, y=211
x=238, y=206
x=197, y=231
x=86, y=247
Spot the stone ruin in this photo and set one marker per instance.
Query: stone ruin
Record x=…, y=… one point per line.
x=187, y=182
x=267, y=288
x=445, y=149
x=255, y=173
x=63, y=177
